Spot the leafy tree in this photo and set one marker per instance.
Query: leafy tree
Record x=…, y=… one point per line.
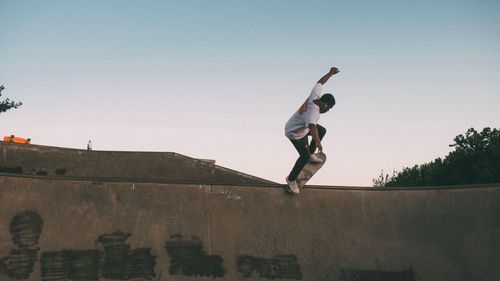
x=7, y=103
x=381, y=181
x=476, y=159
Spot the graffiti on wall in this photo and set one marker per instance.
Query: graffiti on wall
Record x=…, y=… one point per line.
x=188, y=258
x=281, y=266
x=25, y=230
x=114, y=259
x=116, y=262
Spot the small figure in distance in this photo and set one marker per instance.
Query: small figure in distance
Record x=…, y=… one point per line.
x=304, y=123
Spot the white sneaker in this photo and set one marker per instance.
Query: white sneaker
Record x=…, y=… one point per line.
x=315, y=159
x=292, y=186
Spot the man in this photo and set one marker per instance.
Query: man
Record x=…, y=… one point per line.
x=304, y=123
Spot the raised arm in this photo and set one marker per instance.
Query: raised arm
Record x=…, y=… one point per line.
x=333, y=71
x=327, y=76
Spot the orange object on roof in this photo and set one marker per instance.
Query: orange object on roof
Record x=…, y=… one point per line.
x=15, y=139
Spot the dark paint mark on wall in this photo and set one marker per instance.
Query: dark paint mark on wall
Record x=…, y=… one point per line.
x=60, y=171
x=117, y=261
x=115, y=255
x=42, y=173
x=19, y=264
x=25, y=230
x=121, y=263
x=368, y=275
x=141, y=264
x=188, y=258
x=70, y=265
x=280, y=266
x=12, y=170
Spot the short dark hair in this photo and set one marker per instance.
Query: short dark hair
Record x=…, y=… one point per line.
x=328, y=98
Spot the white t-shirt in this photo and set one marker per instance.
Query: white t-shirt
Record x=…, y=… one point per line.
x=298, y=125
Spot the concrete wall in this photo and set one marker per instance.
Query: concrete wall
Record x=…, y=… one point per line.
x=60, y=229
x=150, y=166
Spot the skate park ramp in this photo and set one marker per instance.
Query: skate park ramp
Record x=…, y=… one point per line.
x=68, y=226
x=116, y=165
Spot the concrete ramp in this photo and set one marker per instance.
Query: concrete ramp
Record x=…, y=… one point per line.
x=117, y=165
x=62, y=229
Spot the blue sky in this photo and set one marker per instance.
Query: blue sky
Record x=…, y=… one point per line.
x=219, y=79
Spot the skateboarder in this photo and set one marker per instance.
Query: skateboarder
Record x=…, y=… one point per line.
x=304, y=123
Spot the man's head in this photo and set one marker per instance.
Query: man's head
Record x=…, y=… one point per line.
x=326, y=102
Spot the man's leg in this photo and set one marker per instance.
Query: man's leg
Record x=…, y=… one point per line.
x=303, y=149
x=321, y=133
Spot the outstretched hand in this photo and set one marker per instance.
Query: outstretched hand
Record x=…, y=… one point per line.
x=334, y=70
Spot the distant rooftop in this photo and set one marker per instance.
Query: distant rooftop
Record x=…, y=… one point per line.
x=28, y=159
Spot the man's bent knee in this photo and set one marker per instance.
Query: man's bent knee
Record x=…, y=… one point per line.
x=305, y=156
x=321, y=129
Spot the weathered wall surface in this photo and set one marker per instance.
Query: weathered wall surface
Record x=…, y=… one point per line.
x=151, y=166
x=60, y=229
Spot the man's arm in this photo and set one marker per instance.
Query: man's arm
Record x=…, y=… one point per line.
x=315, y=135
x=303, y=107
x=327, y=76
x=333, y=71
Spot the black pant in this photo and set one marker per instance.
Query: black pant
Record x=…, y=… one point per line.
x=305, y=152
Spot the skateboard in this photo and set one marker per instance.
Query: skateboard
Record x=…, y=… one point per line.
x=308, y=171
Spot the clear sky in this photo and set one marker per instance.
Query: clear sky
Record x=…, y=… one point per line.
x=219, y=79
